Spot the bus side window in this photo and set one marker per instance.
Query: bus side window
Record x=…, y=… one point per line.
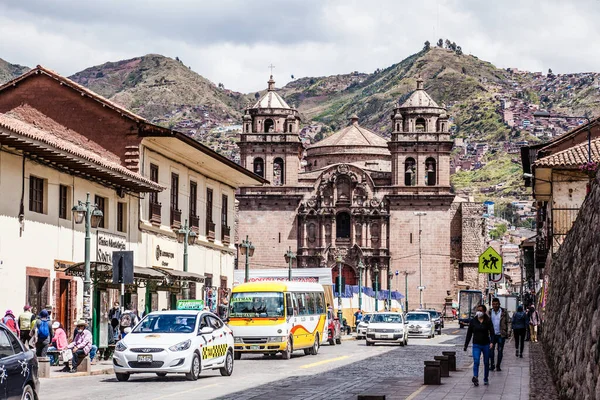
x=289, y=304
x=320, y=303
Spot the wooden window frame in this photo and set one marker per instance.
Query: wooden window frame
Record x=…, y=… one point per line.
x=36, y=194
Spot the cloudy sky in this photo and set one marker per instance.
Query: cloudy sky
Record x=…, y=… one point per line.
x=233, y=41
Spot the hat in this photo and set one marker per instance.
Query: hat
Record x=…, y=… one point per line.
x=81, y=322
x=44, y=313
x=9, y=312
x=26, y=308
x=55, y=325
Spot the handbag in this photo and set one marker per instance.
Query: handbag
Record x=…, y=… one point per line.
x=65, y=355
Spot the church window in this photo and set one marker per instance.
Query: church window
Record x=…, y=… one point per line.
x=430, y=172
x=358, y=230
x=410, y=172
x=344, y=189
x=278, y=172
x=420, y=125
x=375, y=233
x=289, y=127
x=269, y=125
x=342, y=225
x=312, y=232
x=397, y=127
x=259, y=167
x=247, y=127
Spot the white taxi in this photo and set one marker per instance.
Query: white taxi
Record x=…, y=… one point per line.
x=178, y=341
x=419, y=323
x=387, y=327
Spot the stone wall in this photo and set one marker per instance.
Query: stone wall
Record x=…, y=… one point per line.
x=572, y=316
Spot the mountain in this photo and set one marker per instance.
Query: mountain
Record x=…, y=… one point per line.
x=10, y=71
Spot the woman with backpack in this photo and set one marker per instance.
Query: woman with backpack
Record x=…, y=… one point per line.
x=11, y=322
x=519, y=326
x=43, y=334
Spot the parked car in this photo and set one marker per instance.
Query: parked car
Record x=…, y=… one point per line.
x=18, y=368
x=334, y=329
x=361, y=328
x=437, y=319
x=420, y=324
x=387, y=327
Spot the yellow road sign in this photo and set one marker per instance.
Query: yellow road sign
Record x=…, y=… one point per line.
x=490, y=262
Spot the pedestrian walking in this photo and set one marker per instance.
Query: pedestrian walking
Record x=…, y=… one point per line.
x=357, y=317
x=534, y=321
x=43, y=334
x=25, y=325
x=11, y=322
x=519, y=327
x=499, y=318
x=482, y=332
x=128, y=320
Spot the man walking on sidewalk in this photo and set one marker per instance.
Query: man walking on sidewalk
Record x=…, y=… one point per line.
x=499, y=318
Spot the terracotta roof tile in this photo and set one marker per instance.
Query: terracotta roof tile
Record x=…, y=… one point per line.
x=572, y=157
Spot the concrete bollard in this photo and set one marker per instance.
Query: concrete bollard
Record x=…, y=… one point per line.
x=85, y=365
x=451, y=359
x=432, y=373
x=44, y=367
x=445, y=372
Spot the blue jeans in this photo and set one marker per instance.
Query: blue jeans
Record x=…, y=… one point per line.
x=51, y=356
x=477, y=350
x=93, y=352
x=498, y=345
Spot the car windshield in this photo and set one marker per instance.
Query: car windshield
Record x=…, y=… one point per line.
x=417, y=317
x=256, y=304
x=167, y=323
x=367, y=318
x=387, y=318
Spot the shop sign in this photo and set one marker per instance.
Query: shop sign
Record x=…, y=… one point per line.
x=107, y=243
x=164, y=253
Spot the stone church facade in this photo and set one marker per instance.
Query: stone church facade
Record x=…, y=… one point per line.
x=356, y=196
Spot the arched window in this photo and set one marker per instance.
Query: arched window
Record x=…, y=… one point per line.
x=397, y=127
x=278, y=172
x=419, y=125
x=269, y=125
x=312, y=232
x=290, y=128
x=344, y=189
x=247, y=127
x=410, y=173
x=430, y=172
x=342, y=225
x=259, y=167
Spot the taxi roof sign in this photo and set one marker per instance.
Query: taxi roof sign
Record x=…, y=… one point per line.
x=490, y=262
x=190, y=305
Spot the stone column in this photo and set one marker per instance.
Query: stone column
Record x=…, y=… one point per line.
x=368, y=235
x=352, y=231
x=333, y=231
x=305, y=232
x=383, y=238
x=321, y=232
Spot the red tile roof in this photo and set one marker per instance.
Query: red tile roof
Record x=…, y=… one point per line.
x=571, y=157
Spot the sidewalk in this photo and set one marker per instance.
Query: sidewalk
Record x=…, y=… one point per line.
x=511, y=383
x=99, y=368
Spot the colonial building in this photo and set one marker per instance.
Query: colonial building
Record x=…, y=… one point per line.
x=362, y=198
x=58, y=141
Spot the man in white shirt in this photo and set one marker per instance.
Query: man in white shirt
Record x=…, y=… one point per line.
x=499, y=319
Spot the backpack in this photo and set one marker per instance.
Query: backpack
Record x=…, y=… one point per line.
x=43, y=330
x=126, y=320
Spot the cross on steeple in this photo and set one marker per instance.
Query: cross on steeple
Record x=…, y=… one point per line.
x=271, y=68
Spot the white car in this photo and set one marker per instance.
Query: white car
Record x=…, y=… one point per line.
x=387, y=327
x=419, y=323
x=361, y=328
x=175, y=342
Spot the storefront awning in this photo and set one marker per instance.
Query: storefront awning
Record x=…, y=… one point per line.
x=175, y=274
x=104, y=270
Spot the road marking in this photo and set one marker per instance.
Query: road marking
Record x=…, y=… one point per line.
x=185, y=391
x=324, y=362
x=416, y=393
x=456, y=331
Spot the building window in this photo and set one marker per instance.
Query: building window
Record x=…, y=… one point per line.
x=430, y=176
x=224, y=206
x=174, y=191
x=259, y=167
x=420, y=125
x=409, y=172
x=121, y=223
x=101, y=204
x=269, y=125
x=278, y=171
x=36, y=194
x=154, y=178
x=193, y=199
x=461, y=272
x=209, y=205
x=342, y=225
x=63, y=202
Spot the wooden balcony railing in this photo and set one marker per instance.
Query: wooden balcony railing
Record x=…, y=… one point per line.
x=225, y=234
x=210, y=231
x=155, y=213
x=175, y=219
x=195, y=223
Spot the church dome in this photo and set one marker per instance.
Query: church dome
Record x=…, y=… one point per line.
x=419, y=98
x=271, y=99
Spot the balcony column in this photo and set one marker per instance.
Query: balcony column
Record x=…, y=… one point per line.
x=321, y=232
x=333, y=231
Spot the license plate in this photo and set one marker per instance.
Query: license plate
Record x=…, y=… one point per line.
x=254, y=347
x=415, y=331
x=145, y=358
x=384, y=336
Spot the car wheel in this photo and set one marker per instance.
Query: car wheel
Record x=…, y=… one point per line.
x=331, y=341
x=369, y=343
x=28, y=393
x=122, y=377
x=287, y=353
x=237, y=355
x=227, y=370
x=194, y=369
x=314, y=350
x=307, y=352
x=402, y=343
x=161, y=374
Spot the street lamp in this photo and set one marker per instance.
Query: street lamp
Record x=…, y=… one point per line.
x=247, y=249
x=289, y=257
x=376, y=272
x=188, y=237
x=361, y=268
x=420, y=214
x=546, y=114
x=92, y=216
x=339, y=280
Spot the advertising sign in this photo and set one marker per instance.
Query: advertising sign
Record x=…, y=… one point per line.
x=190, y=305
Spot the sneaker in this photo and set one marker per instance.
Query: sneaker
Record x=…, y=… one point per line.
x=65, y=369
x=73, y=370
x=486, y=382
x=521, y=355
x=475, y=381
x=499, y=369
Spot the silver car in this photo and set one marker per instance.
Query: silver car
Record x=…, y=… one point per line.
x=361, y=328
x=419, y=323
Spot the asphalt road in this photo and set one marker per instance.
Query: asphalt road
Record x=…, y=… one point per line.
x=337, y=372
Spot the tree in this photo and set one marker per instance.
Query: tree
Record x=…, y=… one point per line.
x=440, y=43
x=448, y=43
x=459, y=50
x=453, y=46
x=427, y=45
x=550, y=71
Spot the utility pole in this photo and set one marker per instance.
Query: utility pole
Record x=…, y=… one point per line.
x=420, y=214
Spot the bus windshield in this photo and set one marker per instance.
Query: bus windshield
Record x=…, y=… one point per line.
x=256, y=305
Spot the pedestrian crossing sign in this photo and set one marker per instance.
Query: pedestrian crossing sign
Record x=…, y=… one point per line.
x=490, y=262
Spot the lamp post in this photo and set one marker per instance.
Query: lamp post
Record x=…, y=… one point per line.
x=376, y=272
x=546, y=114
x=92, y=215
x=188, y=237
x=389, y=287
x=247, y=249
x=339, y=285
x=289, y=257
x=361, y=268
x=420, y=214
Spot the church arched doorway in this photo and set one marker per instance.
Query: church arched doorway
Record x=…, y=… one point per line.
x=348, y=274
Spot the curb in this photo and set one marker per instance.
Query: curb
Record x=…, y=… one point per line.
x=104, y=371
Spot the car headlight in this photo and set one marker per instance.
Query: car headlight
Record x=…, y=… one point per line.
x=276, y=338
x=120, y=346
x=181, y=346
x=238, y=340
x=370, y=330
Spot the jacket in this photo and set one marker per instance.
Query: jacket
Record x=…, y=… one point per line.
x=504, y=332
x=534, y=318
x=482, y=332
x=519, y=320
x=48, y=339
x=25, y=320
x=83, y=341
x=60, y=339
x=11, y=323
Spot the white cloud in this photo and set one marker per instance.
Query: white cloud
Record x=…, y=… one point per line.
x=233, y=41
